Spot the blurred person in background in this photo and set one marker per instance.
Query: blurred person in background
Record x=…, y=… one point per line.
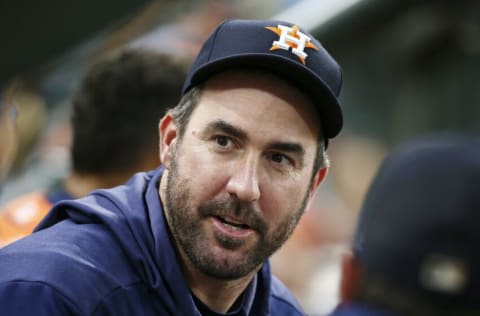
x=415, y=251
x=242, y=155
x=114, y=122
x=30, y=124
x=8, y=134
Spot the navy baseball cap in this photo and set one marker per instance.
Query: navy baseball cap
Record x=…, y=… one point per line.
x=281, y=48
x=419, y=226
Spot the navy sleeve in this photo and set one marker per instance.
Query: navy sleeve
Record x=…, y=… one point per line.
x=33, y=298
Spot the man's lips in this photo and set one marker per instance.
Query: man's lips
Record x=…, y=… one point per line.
x=231, y=227
x=234, y=215
x=231, y=221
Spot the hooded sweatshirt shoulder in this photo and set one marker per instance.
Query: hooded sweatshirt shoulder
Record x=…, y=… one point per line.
x=85, y=253
x=110, y=254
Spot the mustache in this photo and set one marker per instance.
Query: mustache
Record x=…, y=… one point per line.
x=233, y=207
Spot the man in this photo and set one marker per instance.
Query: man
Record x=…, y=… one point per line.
x=130, y=86
x=416, y=245
x=242, y=154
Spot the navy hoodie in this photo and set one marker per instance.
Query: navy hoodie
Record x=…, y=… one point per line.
x=110, y=254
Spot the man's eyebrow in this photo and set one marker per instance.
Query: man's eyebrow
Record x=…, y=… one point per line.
x=227, y=128
x=293, y=148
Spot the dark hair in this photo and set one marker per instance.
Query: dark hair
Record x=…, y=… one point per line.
x=380, y=292
x=118, y=106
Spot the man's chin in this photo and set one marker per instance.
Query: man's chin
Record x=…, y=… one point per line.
x=226, y=264
x=220, y=271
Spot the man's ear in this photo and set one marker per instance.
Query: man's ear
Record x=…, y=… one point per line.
x=167, y=129
x=350, y=277
x=318, y=178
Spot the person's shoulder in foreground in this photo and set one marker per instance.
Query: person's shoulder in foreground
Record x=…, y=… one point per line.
x=242, y=154
x=415, y=250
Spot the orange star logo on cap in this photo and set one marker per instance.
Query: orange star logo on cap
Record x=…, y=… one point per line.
x=292, y=38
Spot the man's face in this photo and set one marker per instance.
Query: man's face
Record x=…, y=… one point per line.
x=239, y=179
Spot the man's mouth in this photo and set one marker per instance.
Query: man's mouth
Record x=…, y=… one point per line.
x=228, y=228
x=234, y=217
x=232, y=223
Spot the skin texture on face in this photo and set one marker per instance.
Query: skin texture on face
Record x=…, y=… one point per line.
x=238, y=181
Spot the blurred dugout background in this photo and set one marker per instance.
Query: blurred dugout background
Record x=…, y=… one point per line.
x=410, y=68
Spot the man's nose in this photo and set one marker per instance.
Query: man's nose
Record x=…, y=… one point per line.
x=244, y=182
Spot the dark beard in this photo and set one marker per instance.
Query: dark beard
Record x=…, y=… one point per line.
x=186, y=229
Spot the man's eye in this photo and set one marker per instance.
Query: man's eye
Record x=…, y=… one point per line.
x=223, y=141
x=280, y=158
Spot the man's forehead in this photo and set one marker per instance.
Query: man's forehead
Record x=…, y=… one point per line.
x=259, y=80
x=249, y=93
x=257, y=125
